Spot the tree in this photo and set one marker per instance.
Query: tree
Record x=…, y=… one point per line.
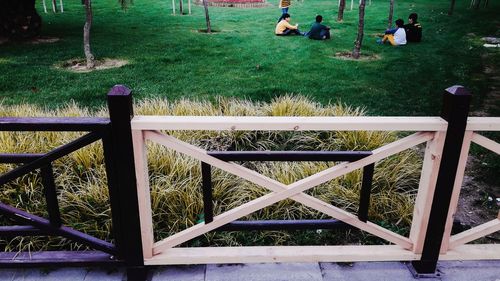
x=359, y=40
x=340, y=16
x=391, y=13
x=207, y=18
x=86, y=34
x=452, y=7
x=86, y=31
x=19, y=19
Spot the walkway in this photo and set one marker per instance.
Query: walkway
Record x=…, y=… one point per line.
x=363, y=271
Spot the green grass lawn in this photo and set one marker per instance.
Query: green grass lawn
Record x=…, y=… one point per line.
x=169, y=58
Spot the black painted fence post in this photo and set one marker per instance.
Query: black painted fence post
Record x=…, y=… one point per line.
x=456, y=101
x=121, y=176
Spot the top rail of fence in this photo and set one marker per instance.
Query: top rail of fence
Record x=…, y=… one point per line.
x=288, y=123
x=59, y=124
x=483, y=124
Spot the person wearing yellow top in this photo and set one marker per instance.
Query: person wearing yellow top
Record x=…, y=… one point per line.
x=285, y=28
x=284, y=5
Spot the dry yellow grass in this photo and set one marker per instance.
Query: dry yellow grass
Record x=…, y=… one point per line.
x=176, y=179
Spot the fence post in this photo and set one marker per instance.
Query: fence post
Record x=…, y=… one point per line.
x=123, y=182
x=456, y=101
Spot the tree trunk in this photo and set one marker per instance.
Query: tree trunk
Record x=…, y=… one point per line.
x=180, y=7
x=359, y=40
x=340, y=16
x=476, y=4
x=19, y=19
x=452, y=7
x=391, y=13
x=86, y=34
x=207, y=18
x=54, y=6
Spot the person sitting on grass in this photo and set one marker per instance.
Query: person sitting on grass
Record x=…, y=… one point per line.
x=284, y=27
x=396, y=36
x=319, y=31
x=413, y=29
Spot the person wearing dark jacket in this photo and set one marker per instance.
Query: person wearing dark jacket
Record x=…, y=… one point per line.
x=413, y=29
x=319, y=31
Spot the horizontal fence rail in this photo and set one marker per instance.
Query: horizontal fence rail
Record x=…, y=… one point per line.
x=54, y=124
x=288, y=123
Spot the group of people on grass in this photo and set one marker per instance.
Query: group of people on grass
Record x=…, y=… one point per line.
x=318, y=31
x=403, y=33
x=411, y=32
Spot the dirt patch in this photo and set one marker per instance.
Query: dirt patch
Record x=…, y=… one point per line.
x=79, y=65
x=348, y=56
x=34, y=41
x=204, y=31
x=479, y=201
x=43, y=40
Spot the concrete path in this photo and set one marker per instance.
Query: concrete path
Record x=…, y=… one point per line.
x=362, y=271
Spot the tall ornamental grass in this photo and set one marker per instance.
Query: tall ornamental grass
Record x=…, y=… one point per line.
x=175, y=179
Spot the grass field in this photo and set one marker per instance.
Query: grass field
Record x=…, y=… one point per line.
x=169, y=58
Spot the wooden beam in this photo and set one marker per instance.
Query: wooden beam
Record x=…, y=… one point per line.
x=215, y=255
x=272, y=198
x=486, y=143
x=462, y=163
x=473, y=252
x=246, y=123
x=475, y=233
x=259, y=254
x=427, y=185
x=483, y=124
x=143, y=193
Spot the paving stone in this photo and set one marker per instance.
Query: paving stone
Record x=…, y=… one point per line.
x=361, y=271
x=61, y=274
x=8, y=273
x=264, y=272
x=180, y=273
x=96, y=274
x=470, y=270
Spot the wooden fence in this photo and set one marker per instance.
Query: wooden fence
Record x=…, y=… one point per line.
x=447, y=139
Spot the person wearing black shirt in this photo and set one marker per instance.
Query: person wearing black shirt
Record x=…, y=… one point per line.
x=319, y=31
x=413, y=29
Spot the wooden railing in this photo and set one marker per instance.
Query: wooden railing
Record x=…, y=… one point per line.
x=443, y=164
x=447, y=139
x=115, y=135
